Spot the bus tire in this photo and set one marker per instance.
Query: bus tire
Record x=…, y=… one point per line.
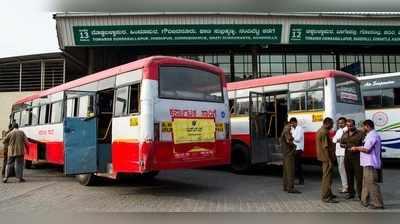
x=28, y=164
x=240, y=159
x=88, y=179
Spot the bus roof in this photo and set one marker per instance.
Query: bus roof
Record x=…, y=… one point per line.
x=283, y=79
x=145, y=62
x=379, y=76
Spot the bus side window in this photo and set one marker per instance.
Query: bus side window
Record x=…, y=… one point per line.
x=387, y=97
x=121, y=101
x=25, y=118
x=372, y=99
x=86, y=106
x=35, y=116
x=44, y=114
x=242, y=106
x=72, y=107
x=30, y=116
x=297, y=101
x=134, y=102
x=56, y=112
x=315, y=100
x=17, y=117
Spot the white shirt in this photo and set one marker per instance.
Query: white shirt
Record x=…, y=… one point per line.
x=336, y=139
x=298, y=135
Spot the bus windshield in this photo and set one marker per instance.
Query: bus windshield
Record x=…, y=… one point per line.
x=184, y=83
x=347, y=91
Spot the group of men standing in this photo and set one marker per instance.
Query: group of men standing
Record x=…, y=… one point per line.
x=15, y=144
x=358, y=154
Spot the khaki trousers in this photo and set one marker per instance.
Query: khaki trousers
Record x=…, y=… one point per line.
x=288, y=172
x=326, y=191
x=371, y=193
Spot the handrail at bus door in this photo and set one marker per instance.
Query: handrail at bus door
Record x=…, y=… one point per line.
x=107, y=131
x=270, y=123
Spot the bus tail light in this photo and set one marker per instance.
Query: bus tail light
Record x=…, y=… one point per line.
x=227, y=131
x=156, y=131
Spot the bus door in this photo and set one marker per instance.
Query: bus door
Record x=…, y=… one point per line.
x=80, y=133
x=267, y=112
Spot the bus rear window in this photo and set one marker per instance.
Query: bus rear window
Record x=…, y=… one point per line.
x=347, y=91
x=186, y=83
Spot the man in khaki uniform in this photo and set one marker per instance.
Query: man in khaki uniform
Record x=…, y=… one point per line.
x=17, y=143
x=326, y=154
x=5, y=154
x=288, y=150
x=353, y=138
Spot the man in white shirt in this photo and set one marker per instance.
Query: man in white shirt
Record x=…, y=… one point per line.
x=298, y=140
x=340, y=151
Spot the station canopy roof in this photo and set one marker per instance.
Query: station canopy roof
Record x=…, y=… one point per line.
x=205, y=28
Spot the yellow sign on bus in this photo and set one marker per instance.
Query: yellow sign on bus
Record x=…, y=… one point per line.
x=317, y=117
x=134, y=121
x=190, y=130
x=219, y=127
x=166, y=126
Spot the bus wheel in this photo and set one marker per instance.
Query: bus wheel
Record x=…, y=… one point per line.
x=88, y=179
x=28, y=164
x=240, y=159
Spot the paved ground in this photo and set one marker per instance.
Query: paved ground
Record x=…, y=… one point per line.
x=207, y=190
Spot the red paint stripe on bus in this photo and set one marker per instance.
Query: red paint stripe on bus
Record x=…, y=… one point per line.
x=126, y=157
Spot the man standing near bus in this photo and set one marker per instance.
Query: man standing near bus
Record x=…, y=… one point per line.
x=326, y=154
x=288, y=150
x=352, y=138
x=5, y=153
x=340, y=151
x=298, y=140
x=17, y=143
x=370, y=160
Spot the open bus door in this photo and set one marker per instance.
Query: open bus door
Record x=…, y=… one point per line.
x=80, y=133
x=267, y=111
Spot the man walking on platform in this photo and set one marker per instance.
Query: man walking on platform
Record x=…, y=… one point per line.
x=326, y=154
x=288, y=150
x=17, y=143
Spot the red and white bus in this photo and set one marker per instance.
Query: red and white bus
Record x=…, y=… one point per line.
x=142, y=117
x=259, y=108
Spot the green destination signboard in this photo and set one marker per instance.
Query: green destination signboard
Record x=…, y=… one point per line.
x=177, y=34
x=344, y=34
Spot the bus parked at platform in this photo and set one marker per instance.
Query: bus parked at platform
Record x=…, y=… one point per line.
x=382, y=105
x=260, y=107
x=153, y=114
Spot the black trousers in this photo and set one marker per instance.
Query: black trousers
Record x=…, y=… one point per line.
x=299, y=165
